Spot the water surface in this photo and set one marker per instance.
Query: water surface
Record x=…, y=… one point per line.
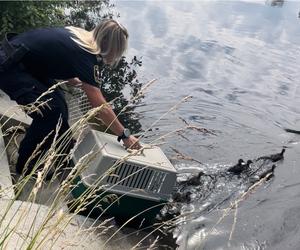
x=239, y=61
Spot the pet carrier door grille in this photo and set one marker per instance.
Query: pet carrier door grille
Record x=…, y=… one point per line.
x=137, y=177
x=78, y=104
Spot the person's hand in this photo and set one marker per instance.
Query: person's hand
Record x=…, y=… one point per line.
x=132, y=142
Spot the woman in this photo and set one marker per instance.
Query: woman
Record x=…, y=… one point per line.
x=31, y=60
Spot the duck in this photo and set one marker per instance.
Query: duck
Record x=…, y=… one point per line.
x=182, y=197
x=239, y=167
x=292, y=130
x=193, y=181
x=273, y=157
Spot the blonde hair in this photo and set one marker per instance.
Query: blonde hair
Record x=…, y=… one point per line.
x=109, y=39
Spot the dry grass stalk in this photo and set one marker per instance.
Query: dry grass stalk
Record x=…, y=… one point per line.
x=235, y=204
x=234, y=221
x=36, y=240
x=181, y=156
x=199, y=129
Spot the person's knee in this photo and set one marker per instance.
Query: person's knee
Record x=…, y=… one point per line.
x=57, y=111
x=59, y=105
x=55, y=107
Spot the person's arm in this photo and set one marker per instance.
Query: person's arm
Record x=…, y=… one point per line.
x=107, y=115
x=75, y=82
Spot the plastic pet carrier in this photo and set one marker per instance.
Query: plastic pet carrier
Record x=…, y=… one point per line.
x=140, y=184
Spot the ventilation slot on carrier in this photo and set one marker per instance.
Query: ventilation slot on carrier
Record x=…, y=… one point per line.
x=157, y=181
x=134, y=176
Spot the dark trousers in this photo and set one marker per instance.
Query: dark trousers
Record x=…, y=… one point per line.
x=22, y=87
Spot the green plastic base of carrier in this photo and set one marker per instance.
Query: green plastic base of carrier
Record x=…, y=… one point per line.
x=124, y=208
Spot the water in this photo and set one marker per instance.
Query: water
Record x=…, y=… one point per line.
x=239, y=61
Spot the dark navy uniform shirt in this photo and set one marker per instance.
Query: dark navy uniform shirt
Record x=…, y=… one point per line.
x=54, y=55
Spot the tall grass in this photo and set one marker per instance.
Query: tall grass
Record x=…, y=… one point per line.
x=44, y=231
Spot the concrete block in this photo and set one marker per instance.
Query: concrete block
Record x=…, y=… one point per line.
x=6, y=184
x=11, y=113
x=24, y=220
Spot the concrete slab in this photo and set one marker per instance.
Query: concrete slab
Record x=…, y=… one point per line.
x=6, y=184
x=46, y=194
x=19, y=228
x=11, y=112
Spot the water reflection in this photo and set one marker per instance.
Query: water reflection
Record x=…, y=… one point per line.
x=154, y=13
